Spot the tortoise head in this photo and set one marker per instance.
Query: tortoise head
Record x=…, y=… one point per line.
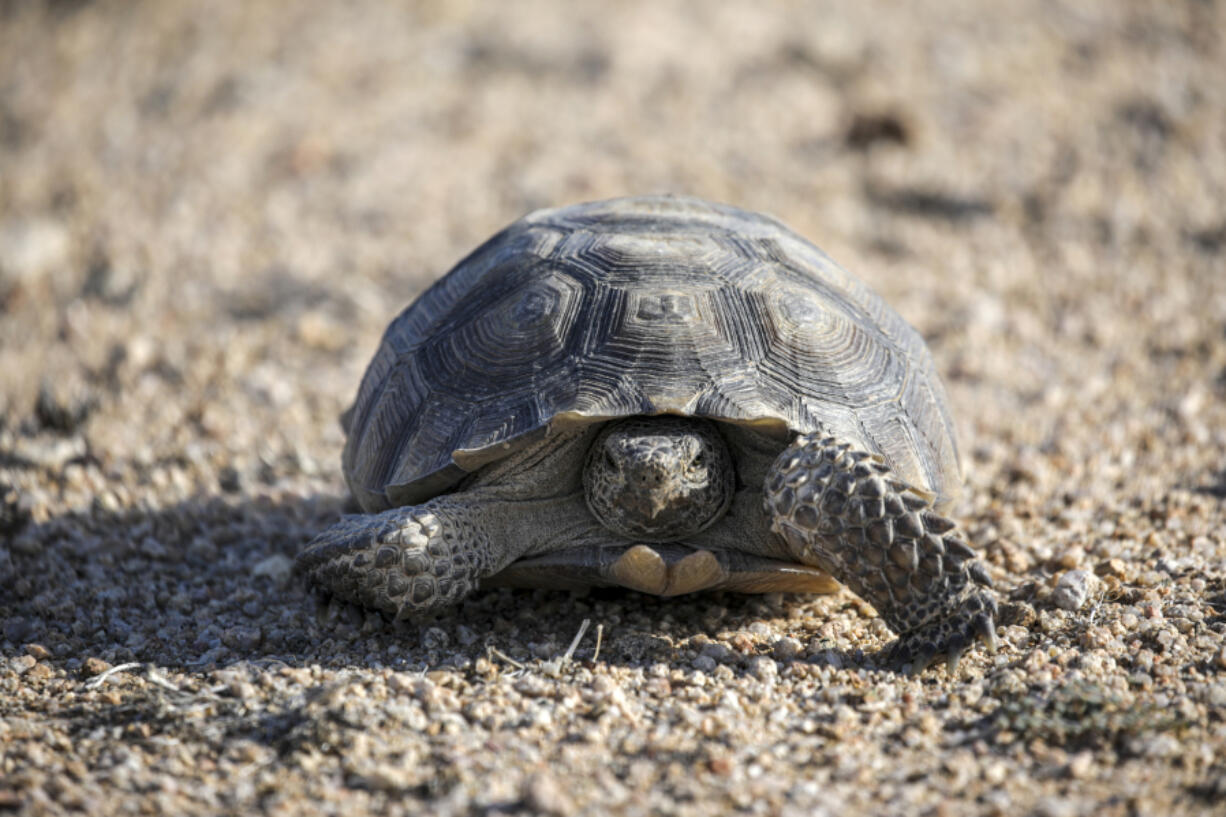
x=658, y=479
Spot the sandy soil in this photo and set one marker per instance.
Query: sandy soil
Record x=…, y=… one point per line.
x=209, y=212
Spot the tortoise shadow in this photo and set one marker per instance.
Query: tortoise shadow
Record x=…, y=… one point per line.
x=209, y=582
x=1214, y=486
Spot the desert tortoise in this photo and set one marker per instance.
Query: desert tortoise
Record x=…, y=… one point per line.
x=663, y=394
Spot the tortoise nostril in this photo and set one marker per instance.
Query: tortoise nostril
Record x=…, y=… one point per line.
x=649, y=477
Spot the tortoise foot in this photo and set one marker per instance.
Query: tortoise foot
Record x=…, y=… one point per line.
x=948, y=635
x=404, y=561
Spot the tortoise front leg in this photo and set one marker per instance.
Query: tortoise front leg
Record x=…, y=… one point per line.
x=842, y=510
x=404, y=561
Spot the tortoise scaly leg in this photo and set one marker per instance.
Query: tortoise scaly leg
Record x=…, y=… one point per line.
x=843, y=511
x=404, y=561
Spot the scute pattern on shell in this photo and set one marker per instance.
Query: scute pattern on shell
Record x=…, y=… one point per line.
x=640, y=306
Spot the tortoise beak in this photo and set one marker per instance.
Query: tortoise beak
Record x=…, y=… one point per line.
x=654, y=506
x=648, y=503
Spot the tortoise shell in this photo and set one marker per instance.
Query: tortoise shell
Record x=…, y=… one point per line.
x=637, y=306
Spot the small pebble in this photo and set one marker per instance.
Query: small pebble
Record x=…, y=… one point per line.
x=40, y=672
x=389, y=777
x=22, y=664
x=435, y=638
x=763, y=668
x=242, y=638
x=659, y=687
x=1072, y=558
x=277, y=567
x=1057, y=807
x=401, y=682
x=544, y=795
x=229, y=480
x=1112, y=567
x=1017, y=614
x=31, y=248
x=786, y=649
x=1080, y=764
x=38, y=651
x=1072, y=590
x=64, y=404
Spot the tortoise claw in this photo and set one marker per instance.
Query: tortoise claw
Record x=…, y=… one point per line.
x=985, y=628
x=921, y=662
x=953, y=659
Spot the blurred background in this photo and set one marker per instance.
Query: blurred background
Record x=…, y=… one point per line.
x=209, y=211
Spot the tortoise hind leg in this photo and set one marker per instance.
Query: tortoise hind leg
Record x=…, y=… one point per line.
x=403, y=561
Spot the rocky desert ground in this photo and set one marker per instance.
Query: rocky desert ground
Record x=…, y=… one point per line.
x=209, y=211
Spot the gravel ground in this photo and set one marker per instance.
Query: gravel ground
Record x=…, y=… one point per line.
x=209, y=212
